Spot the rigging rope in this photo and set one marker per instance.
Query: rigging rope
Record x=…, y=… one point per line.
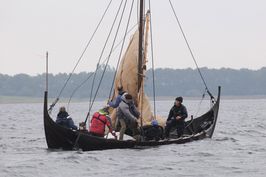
x=102, y=76
x=190, y=50
x=202, y=98
x=102, y=52
x=138, y=10
x=92, y=102
x=121, y=51
x=152, y=57
x=76, y=89
x=91, y=74
x=81, y=56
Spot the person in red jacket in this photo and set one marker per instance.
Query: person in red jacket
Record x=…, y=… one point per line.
x=99, y=120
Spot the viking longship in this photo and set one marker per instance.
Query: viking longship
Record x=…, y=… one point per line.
x=130, y=74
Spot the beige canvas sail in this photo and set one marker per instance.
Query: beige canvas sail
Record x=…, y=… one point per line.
x=127, y=77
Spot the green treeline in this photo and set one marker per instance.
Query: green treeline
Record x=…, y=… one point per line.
x=169, y=82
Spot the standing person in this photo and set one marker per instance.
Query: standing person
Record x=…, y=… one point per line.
x=176, y=118
x=127, y=115
x=64, y=119
x=99, y=120
x=115, y=103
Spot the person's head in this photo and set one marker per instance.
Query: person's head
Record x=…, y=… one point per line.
x=178, y=101
x=62, y=109
x=104, y=111
x=154, y=123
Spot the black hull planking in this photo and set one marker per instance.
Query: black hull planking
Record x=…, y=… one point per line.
x=58, y=137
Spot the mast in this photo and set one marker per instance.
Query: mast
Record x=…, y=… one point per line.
x=140, y=59
x=144, y=62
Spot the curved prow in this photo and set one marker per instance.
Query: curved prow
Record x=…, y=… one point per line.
x=215, y=112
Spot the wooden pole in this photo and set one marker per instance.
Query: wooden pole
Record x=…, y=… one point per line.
x=144, y=68
x=46, y=88
x=140, y=59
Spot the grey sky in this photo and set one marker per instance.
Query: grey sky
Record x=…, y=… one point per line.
x=224, y=33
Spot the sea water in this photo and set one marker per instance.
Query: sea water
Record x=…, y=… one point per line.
x=238, y=146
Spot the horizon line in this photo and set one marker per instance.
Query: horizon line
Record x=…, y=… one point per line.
x=205, y=67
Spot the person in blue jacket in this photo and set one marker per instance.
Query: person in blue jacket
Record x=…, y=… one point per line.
x=64, y=119
x=115, y=103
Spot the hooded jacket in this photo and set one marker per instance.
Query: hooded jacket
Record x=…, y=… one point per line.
x=127, y=110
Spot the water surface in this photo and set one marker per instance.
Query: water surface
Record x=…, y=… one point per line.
x=238, y=147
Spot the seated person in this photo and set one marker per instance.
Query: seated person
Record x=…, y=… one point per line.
x=176, y=118
x=115, y=103
x=64, y=119
x=153, y=131
x=127, y=115
x=99, y=120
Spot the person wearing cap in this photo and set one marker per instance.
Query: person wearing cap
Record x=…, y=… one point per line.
x=153, y=131
x=176, y=118
x=64, y=119
x=99, y=120
x=115, y=103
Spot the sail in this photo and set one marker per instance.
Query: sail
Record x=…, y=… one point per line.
x=127, y=77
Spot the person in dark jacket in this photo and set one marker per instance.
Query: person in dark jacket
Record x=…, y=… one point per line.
x=115, y=103
x=176, y=118
x=153, y=131
x=64, y=119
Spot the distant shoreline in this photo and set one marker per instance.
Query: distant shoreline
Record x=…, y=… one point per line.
x=21, y=100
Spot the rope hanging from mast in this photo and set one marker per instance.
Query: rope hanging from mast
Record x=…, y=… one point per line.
x=102, y=76
x=91, y=74
x=152, y=60
x=121, y=50
x=102, y=52
x=190, y=50
x=81, y=56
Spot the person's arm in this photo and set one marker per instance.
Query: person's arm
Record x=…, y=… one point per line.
x=109, y=125
x=135, y=111
x=184, y=113
x=170, y=115
x=127, y=113
x=116, y=102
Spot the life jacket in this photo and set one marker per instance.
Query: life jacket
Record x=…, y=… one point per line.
x=98, y=123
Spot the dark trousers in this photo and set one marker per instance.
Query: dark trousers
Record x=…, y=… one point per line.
x=180, y=127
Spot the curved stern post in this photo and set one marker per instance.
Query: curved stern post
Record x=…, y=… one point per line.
x=216, y=111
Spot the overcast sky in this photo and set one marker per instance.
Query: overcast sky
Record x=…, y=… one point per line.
x=222, y=33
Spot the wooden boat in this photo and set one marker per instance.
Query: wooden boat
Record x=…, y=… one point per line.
x=59, y=137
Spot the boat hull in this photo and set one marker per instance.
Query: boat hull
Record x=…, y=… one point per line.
x=59, y=137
